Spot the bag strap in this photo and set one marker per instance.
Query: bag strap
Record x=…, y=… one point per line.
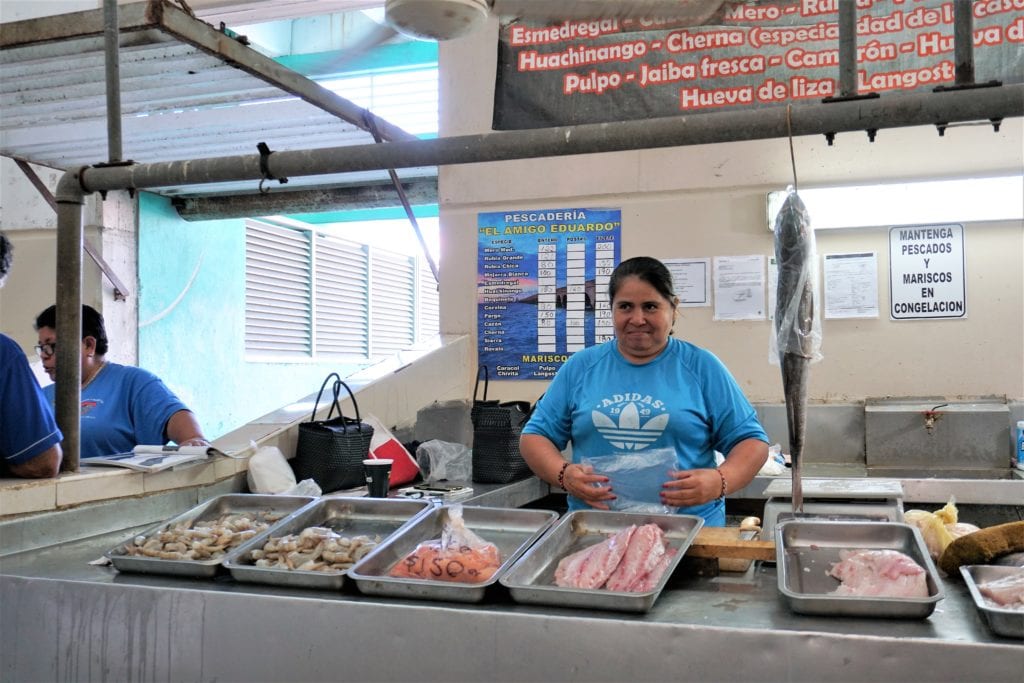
x=316, y=405
x=359, y=420
x=487, y=379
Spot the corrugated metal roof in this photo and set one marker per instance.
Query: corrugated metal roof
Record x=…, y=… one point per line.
x=188, y=91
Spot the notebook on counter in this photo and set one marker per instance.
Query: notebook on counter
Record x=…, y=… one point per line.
x=154, y=458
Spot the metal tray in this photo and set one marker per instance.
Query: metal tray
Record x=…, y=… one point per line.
x=1003, y=621
x=255, y=504
x=347, y=516
x=512, y=530
x=532, y=578
x=805, y=550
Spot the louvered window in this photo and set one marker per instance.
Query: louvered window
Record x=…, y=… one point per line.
x=428, y=302
x=393, y=293
x=342, y=298
x=278, y=314
x=314, y=295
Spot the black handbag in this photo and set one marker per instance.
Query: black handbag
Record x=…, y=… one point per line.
x=331, y=451
x=496, y=429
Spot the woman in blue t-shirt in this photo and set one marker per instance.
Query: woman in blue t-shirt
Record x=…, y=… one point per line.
x=642, y=392
x=122, y=406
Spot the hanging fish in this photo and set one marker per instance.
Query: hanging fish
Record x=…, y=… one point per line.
x=797, y=333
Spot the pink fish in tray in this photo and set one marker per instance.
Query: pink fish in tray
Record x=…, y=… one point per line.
x=879, y=573
x=631, y=560
x=1005, y=593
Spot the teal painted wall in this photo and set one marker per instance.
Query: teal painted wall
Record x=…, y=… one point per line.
x=192, y=321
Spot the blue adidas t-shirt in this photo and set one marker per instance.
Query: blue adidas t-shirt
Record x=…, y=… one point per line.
x=684, y=399
x=123, y=407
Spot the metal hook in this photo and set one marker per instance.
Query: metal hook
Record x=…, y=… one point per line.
x=265, y=153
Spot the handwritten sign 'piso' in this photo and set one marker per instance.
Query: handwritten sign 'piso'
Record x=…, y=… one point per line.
x=926, y=272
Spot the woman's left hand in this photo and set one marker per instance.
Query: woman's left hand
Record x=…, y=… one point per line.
x=197, y=441
x=691, y=487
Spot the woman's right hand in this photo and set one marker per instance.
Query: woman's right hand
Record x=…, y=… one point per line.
x=593, y=489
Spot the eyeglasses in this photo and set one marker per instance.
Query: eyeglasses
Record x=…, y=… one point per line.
x=46, y=349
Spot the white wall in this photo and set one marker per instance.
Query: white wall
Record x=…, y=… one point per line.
x=708, y=200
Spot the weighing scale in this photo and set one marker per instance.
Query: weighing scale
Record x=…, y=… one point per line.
x=834, y=499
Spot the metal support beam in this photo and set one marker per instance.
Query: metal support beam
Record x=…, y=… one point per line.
x=112, y=63
x=120, y=291
x=847, y=49
x=963, y=42
x=418, y=191
x=208, y=39
x=889, y=111
x=68, y=398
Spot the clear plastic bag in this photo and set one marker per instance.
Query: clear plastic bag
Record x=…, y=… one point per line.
x=636, y=478
x=444, y=460
x=459, y=555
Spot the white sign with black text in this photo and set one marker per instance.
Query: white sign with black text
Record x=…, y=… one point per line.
x=926, y=272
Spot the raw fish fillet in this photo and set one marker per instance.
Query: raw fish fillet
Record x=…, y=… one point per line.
x=591, y=567
x=646, y=548
x=1007, y=592
x=632, y=560
x=879, y=573
x=648, y=582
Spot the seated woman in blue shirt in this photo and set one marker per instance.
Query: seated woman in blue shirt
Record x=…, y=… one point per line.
x=29, y=438
x=122, y=406
x=645, y=390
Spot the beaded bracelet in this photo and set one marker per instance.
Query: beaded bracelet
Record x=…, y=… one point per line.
x=722, y=494
x=561, y=475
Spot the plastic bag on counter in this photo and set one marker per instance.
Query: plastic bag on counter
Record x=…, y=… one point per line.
x=459, y=555
x=445, y=461
x=636, y=478
x=306, y=487
x=775, y=464
x=939, y=528
x=269, y=471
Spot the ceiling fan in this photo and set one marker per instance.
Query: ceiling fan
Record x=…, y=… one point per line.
x=447, y=19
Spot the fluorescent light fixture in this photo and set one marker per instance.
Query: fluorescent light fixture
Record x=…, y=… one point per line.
x=937, y=201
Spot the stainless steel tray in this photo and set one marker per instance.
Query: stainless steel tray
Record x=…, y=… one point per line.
x=278, y=507
x=1003, y=621
x=512, y=530
x=532, y=578
x=346, y=516
x=805, y=551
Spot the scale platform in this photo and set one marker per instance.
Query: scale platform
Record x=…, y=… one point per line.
x=834, y=499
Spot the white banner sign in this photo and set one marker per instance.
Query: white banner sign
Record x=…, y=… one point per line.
x=926, y=272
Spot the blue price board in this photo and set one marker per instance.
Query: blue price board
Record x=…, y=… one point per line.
x=542, y=287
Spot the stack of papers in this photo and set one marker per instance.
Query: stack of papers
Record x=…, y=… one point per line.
x=154, y=458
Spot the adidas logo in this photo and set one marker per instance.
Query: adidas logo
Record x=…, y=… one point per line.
x=629, y=434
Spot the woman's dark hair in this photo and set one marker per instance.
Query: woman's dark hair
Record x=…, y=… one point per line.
x=6, y=256
x=650, y=270
x=92, y=325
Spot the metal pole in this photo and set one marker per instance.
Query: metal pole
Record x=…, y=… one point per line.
x=112, y=44
x=417, y=190
x=963, y=42
x=896, y=111
x=847, y=49
x=70, y=236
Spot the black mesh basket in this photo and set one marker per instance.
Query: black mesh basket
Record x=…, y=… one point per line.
x=496, y=429
x=331, y=451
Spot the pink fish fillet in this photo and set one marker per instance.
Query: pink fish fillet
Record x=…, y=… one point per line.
x=879, y=573
x=1006, y=592
x=591, y=567
x=648, y=582
x=646, y=548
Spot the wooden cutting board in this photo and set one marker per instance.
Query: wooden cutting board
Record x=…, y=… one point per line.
x=724, y=543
